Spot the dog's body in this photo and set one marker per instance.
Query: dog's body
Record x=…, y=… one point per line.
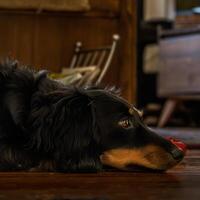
x=47, y=126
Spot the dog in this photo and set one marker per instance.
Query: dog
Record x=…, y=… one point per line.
x=46, y=126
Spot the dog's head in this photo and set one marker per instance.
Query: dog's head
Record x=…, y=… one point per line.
x=89, y=128
x=126, y=140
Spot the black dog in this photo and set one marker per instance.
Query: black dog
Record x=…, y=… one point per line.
x=47, y=126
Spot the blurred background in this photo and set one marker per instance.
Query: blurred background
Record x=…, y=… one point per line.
x=168, y=57
x=168, y=71
x=148, y=48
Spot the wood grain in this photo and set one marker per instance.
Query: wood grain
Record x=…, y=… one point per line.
x=127, y=70
x=180, y=183
x=46, y=39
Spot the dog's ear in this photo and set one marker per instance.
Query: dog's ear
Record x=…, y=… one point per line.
x=82, y=138
x=40, y=76
x=64, y=124
x=16, y=95
x=17, y=105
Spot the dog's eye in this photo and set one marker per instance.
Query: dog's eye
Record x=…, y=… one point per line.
x=126, y=123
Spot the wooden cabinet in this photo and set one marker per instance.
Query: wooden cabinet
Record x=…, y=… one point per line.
x=46, y=39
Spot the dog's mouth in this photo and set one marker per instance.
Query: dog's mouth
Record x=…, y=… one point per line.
x=150, y=157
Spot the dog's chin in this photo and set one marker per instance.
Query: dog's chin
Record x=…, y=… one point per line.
x=151, y=167
x=140, y=168
x=134, y=168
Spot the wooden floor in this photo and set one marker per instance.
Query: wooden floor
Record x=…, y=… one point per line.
x=182, y=182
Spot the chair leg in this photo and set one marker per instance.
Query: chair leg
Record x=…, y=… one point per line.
x=167, y=111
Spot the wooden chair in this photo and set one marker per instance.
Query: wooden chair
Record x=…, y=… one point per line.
x=178, y=78
x=91, y=64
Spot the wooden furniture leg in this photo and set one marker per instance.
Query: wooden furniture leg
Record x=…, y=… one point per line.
x=167, y=111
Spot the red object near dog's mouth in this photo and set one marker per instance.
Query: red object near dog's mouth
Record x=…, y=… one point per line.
x=181, y=146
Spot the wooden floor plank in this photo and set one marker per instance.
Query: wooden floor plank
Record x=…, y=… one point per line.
x=182, y=182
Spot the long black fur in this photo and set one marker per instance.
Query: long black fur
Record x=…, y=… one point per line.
x=45, y=125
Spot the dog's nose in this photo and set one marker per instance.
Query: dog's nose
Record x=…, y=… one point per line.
x=177, y=154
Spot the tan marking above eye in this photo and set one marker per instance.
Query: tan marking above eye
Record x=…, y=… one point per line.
x=131, y=111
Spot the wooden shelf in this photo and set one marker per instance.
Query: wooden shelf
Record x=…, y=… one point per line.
x=95, y=14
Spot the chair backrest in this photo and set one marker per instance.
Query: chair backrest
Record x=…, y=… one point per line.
x=100, y=57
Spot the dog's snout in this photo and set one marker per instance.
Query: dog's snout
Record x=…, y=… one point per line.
x=177, y=154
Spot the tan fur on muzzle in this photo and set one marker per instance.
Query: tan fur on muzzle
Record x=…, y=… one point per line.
x=151, y=156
